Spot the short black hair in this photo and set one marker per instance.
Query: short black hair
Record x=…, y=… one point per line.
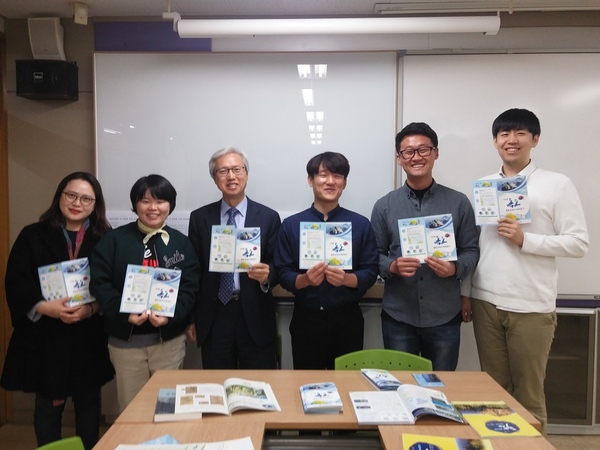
x=160, y=188
x=516, y=119
x=413, y=128
x=332, y=161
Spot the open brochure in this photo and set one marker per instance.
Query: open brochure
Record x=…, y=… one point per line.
x=164, y=411
x=428, y=236
x=233, y=249
x=233, y=395
x=422, y=442
x=234, y=444
x=502, y=197
x=150, y=288
x=329, y=242
x=495, y=419
x=321, y=398
x=67, y=279
x=381, y=379
x=403, y=406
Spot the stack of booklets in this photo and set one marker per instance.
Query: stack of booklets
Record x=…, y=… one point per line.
x=190, y=401
x=403, y=406
x=495, y=419
x=381, y=379
x=422, y=442
x=321, y=398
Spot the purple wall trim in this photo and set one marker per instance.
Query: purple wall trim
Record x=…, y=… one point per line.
x=144, y=37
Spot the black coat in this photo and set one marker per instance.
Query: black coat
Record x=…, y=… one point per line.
x=48, y=356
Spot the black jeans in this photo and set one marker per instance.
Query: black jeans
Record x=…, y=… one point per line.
x=320, y=336
x=47, y=418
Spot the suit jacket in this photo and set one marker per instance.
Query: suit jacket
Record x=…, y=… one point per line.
x=258, y=306
x=49, y=356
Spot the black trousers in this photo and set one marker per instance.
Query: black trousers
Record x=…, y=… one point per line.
x=47, y=418
x=320, y=336
x=229, y=344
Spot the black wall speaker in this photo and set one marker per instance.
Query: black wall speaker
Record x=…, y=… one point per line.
x=41, y=79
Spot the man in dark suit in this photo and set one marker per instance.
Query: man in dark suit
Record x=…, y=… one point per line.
x=234, y=319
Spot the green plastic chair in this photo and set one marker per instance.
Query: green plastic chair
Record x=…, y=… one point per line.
x=382, y=359
x=70, y=443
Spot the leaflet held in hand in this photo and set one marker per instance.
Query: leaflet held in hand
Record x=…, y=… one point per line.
x=234, y=249
x=150, y=288
x=329, y=242
x=67, y=279
x=502, y=197
x=428, y=236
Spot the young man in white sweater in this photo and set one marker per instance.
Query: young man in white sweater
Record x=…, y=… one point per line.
x=514, y=286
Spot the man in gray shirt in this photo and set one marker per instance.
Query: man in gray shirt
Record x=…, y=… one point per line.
x=422, y=308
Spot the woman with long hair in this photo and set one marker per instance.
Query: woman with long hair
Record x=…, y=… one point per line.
x=57, y=350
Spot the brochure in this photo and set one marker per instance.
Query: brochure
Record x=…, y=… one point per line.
x=329, y=242
x=403, y=406
x=150, y=288
x=67, y=279
x=234, y=249
x=495, y=419
x=321, y=398
x=502, y=197
x=234, y=444
x=381, y=379
x=428, y=379
x=422, y=442
x=233, y=395
x=428, y=236
x=165, y=408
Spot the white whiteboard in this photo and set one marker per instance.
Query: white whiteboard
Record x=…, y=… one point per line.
x=168, y=113
x=461, y=95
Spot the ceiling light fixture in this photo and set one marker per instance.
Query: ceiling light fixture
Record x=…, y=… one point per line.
x=202, y=28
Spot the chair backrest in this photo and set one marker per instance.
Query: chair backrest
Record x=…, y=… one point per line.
x=382, y=359
x=70, y=443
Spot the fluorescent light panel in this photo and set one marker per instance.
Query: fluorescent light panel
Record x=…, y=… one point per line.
x=368, y=25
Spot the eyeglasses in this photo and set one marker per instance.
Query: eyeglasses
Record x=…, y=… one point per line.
x=237, y=170
x=409, y=153
x=85, y=200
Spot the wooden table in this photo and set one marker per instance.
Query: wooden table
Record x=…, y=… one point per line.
x=136, y=425
x=464, y=386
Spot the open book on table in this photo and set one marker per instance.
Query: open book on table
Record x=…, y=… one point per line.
x=403, y=406
x=495, y=419
x=233, y=395
x=164, y=410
